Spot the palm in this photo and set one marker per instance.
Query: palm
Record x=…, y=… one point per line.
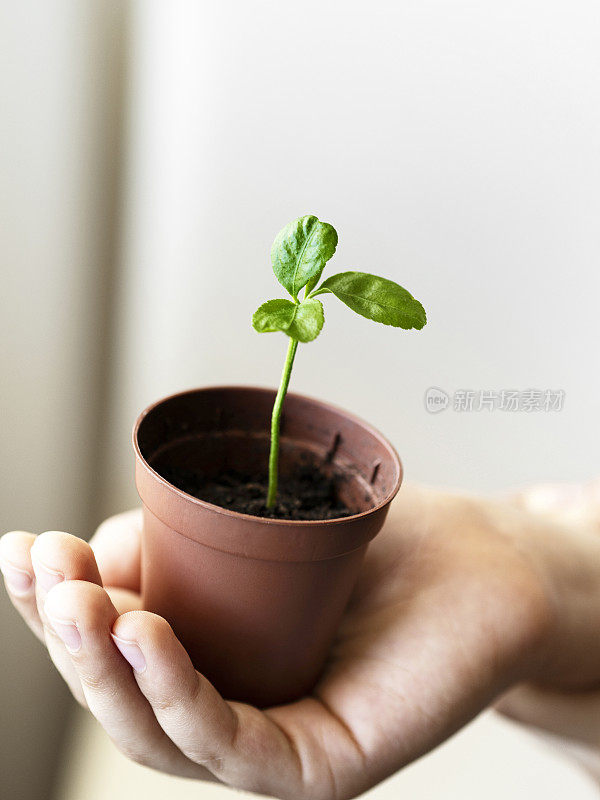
x=384, y=681
x=430, y=635
x=418, y=652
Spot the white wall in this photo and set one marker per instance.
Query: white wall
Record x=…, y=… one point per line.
x=455, y=148
x=454, y=145
x=59, y=125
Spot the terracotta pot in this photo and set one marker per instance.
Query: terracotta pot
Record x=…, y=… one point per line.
x=256, y=602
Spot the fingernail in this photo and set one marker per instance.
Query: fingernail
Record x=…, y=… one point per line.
x=67, y=632
x=18, y=581
x=46, y=577
x=130, y=652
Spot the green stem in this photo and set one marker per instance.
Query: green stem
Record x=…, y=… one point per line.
x=276, y=420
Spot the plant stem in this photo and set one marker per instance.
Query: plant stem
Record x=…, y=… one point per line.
x=276, y=420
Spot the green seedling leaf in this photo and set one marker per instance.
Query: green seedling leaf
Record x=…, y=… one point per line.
x=274, y=315
x=301, y=321
x=376, y=298
x=299, y=254
x=308, y=321
x=301, y=250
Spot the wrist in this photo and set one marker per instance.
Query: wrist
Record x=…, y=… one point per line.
x=561, y=615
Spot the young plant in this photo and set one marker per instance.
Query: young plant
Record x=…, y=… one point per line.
x=299, y=254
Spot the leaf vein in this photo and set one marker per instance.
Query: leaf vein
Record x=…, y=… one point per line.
x=300, y=257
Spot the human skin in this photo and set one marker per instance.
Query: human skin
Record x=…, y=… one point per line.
x=460, y=600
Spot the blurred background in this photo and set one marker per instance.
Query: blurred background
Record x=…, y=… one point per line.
x=149, y=153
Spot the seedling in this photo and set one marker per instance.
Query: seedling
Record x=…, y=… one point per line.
x=299, y=254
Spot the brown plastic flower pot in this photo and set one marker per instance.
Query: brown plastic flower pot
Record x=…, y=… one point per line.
x=255, y=601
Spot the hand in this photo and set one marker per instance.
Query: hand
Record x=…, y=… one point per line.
x=570, y=718
x=458, y=600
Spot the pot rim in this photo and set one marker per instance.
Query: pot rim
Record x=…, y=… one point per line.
x=268, y=520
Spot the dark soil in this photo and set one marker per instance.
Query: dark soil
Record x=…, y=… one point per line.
x=305, y=495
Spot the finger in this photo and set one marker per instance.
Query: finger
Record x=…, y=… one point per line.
x=238, y=744
x=57, y=557
x=116, y=545
x=19, y=578
x=82, y=615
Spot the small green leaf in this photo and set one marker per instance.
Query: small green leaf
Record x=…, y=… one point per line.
x=302, y=321
x=307, y=322
x=274, y=315
x=301, y=250
x=376, y=298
